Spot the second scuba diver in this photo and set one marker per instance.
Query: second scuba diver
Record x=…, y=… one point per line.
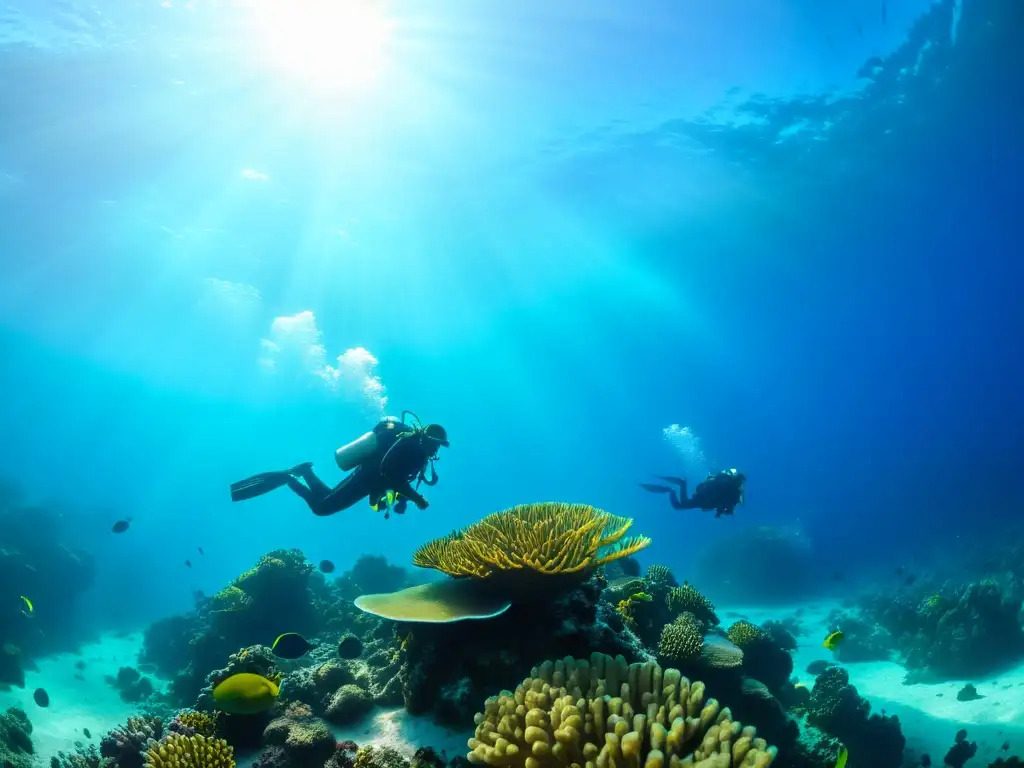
x=384, y=463
x=720, y=492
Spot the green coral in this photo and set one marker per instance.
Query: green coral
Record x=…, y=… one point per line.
x=659, y=578
x=15, y=739
x=229, y=599
x=627, y=607
x=380, y=757
x=687, y=599
x=681, y=640
x=621, y=589
x=743, y=633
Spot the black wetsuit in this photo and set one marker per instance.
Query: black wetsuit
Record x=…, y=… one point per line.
x=721, y=492
x=399, y=458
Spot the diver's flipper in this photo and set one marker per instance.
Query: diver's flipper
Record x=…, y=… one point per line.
x=655, y=488
x=257, y=485
x=673, y=480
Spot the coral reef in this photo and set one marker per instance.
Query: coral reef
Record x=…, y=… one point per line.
x=177, y=751
x=36, y=561
x=516, y=555
x=272, y=597
x=16, y=739
x=126, y=744
x=298, y=739
x=687, y=599
x=434, y=680
x=956, y=632
x=837, y=709
x=604, y=711
x=189, y=722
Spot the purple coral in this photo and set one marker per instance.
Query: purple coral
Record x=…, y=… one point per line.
x=126, y=744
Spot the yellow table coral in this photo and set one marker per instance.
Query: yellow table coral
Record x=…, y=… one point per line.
x=491, y=558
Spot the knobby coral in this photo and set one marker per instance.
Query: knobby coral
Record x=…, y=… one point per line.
x=550, y=538
x=681, y=640
x=177, y=751
x=605, y=713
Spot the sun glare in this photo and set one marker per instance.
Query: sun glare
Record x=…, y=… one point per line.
x=337, y=44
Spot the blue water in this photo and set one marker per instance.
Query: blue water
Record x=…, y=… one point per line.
x=558, y=231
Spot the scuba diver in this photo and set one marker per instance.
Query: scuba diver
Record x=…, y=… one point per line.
x=384, y=462
x=720, y=492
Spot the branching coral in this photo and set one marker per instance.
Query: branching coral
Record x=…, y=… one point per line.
x=606, y=713
x=687, y=598
x=549, y=538
x=177, y=751
x=125, y=744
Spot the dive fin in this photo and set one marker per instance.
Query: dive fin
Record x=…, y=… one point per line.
x=655, y=488
x=673, y=480
x=257, y=485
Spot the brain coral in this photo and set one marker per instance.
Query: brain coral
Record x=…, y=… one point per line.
x=605, y=713
x=177, y=751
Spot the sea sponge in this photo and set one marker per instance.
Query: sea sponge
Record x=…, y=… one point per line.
x=549, y=538
x=687, y=598
x=605, y=713
x=177, y=751
x=743, y=633
x=681, y=640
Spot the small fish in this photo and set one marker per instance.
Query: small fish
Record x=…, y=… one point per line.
x=88, y=735
x=326, y=566
x=290, y=645
x=121, y=525
x=910, y=580
x=41, y=697
x=247, y=694
x=1006, y=746
x=200, y=550
x=188, y=563
x=350, y=647
x=80, y=664
x=27, y=608
x=833, y=640
x=843, y=756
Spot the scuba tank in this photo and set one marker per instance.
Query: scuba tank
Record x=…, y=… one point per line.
x=352, y=455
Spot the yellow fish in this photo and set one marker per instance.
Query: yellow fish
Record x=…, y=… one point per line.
x=247, y=694
x=833, y=640
x=841, y=762
x=29, y=609
x=387, y=501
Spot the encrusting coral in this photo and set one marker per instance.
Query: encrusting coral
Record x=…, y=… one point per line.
x=177, y=751
x=506, y=557
x=605, y=713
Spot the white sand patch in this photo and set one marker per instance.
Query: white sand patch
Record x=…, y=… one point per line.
x=930, y=714
x=406, y=733
x=76, y=704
